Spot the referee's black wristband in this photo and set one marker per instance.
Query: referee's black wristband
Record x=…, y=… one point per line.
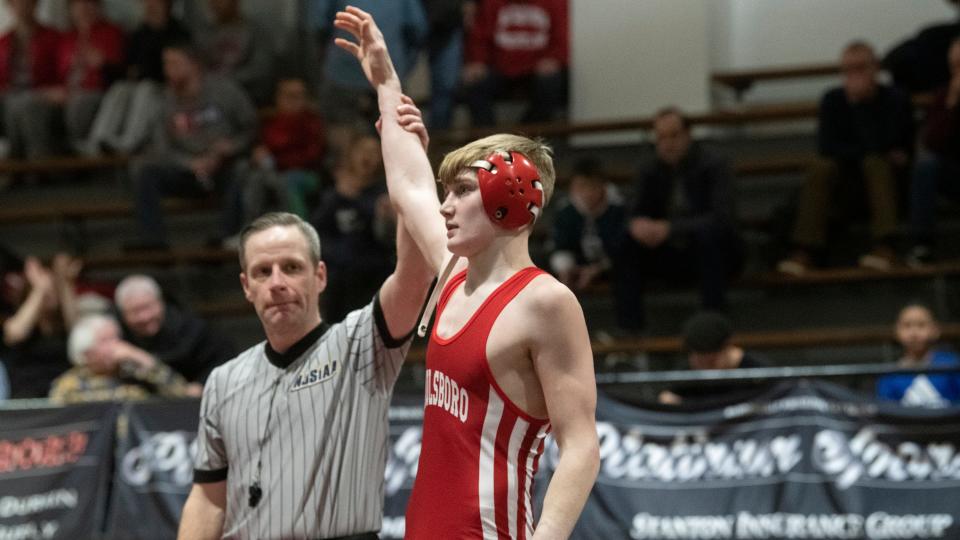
x=209, y=477
x=388, y=340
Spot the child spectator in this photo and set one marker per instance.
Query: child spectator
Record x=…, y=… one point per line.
x=354, y=221
x=290, y=153
x=588, y=229
x=917, y=332
x=708, y=342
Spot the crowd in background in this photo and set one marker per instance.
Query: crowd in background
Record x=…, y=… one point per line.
x=206, y=115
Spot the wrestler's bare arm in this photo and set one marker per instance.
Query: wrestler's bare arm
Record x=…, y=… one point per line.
x=410, y=179
x=563, y=361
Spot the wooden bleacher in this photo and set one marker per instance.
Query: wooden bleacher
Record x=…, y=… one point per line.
x=62, y=164
x=741, y=80
x=791, y=339
x=91, y=209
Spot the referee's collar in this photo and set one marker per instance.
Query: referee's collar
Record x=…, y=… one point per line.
x=284, y=359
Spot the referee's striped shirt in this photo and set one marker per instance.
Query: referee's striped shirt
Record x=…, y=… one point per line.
x=324, y=448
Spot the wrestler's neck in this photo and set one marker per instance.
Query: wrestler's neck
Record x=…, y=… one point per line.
x=505, y=256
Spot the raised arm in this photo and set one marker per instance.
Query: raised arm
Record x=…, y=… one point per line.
x=564, y=364
x=410, y=179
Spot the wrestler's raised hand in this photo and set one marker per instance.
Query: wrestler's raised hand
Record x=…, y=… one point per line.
x=370, y=48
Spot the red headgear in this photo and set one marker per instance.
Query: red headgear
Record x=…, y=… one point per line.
x=510, y=188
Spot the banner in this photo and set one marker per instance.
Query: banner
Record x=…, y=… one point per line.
x=807, y=460
x=55, y=469
x=406, y=419
x=153, y=474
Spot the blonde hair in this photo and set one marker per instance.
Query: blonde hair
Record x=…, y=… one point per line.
x=536, y=150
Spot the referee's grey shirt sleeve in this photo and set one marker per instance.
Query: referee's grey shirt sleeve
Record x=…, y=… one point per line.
x=210, y=464
x=387, y=351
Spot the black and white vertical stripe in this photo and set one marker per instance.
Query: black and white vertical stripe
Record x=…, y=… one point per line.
x=325, y=448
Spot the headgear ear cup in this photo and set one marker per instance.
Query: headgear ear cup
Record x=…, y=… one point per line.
x=510, y=188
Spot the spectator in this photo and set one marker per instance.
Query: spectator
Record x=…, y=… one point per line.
x=173, y=336
x=4, y=382
x=289, y=155
x=28, y=70
x=938, y=168
x=917, y=332
x=107, y=368
x=681, y=223
x=206, y=123
x=517, y=45
x=917, y=64
x=865, y=137
x=34, y=333
x=445, y=53
x=346, y=96
x=588, y=229
x=89, y=59
x=708, y=342
x=233, y=46
x=355, y=225
x=129, y=109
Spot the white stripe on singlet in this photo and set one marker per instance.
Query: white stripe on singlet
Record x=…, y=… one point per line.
x=488, y=449
x=520, y=429
x=528, y=487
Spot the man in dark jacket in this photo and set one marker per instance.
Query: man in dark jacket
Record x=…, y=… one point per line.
x=169, y=334
x=681, y=222
x=865, y=138
x=937, y=170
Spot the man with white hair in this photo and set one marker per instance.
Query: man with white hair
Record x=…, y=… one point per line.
x=172, y=335
x=107, y=368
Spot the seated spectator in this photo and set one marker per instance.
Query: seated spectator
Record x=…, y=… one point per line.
x=4, y=382
x=206, y=124
x=28, y=70
x=681, y=223
x=445, y=53
x=173, y=336
x=917, y=64
x=865, y=137
x=346, y=97
x=517, y=46
x=107, y=368
x=90, y=58
x=34, y=330
x=707, y=339
x=588, y=229
x=917, y=332
x=355, y=222
x=938, y=168
x=233, y=46
x=129, y=109
x=290, y=153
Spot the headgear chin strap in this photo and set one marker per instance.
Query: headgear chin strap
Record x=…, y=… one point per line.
x=510, y=188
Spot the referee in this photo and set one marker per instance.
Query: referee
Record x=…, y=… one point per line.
x=292, y=441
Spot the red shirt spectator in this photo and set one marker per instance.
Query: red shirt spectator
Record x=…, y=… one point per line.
x=44, y=45
x=106, y=40
x=512, y=37
x=295, y=140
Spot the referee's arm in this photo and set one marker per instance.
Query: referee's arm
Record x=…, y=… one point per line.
x=203, y=513
x=404, y=292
